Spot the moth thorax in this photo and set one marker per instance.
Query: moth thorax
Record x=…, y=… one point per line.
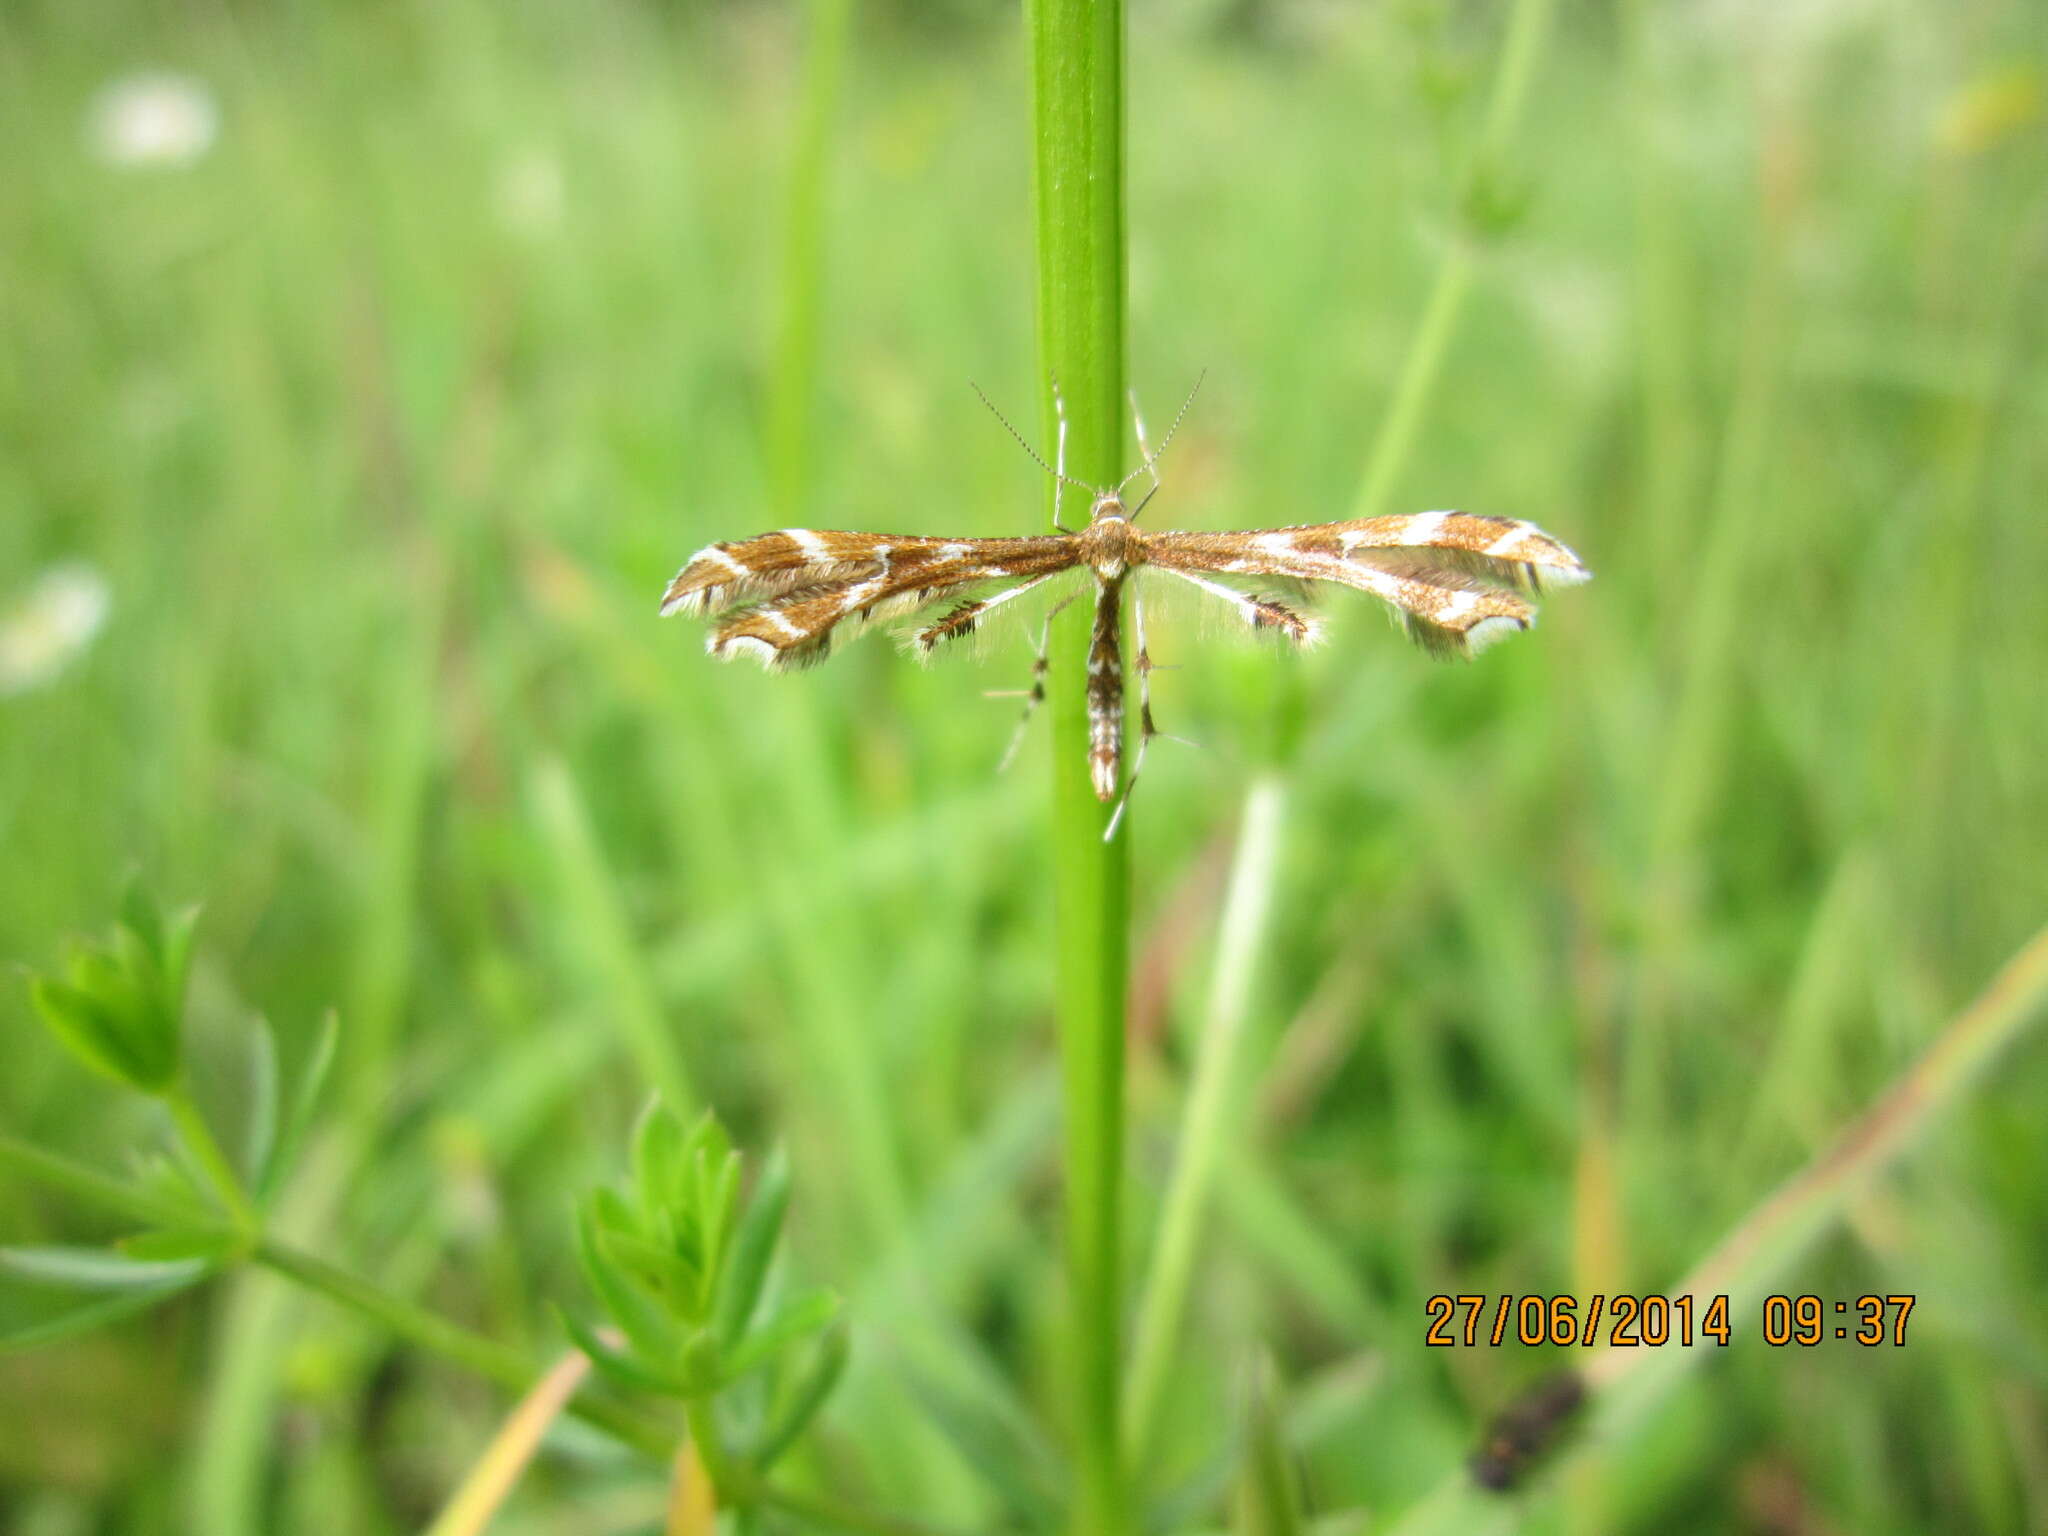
x=1106, y=541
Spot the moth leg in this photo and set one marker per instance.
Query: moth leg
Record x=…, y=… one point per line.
x=1035, y=694
x=1059, y=456
x=963, y=618
x=1146, y=729
x=1151, y=459
x=1258, y=612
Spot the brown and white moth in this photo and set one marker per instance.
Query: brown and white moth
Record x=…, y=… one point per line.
x=1457, y=580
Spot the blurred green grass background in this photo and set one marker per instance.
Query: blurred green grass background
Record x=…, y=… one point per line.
x=386, y=419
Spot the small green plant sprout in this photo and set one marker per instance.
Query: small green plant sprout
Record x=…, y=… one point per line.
x=122, y=1010
x=119, y=1008
x=681, y=1264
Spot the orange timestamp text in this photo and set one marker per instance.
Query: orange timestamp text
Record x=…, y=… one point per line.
x=1625, y=1321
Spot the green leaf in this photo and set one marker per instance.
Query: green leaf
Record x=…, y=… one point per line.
x=120, y=1010
x=701, y=1367
x=642, y=1322
x=796, y=1319
x=96, y=1314
x=753, y=1249
x=609, y=1209
x=167, y=946
x=142, y=1200
x=96, y=1027
x=813, y=1388
x=213, y=1246
x=708, y=1140
x=662, y=1273
x=305, y=1102
x=259, y=1135
x=173, y=1181
x=721, y=1206
x=141, y=916
x=179, y=939
x=659, y=1159
x=1003, y=1452
x=94, y=1269
x=1269, y=1499
x=627, y=1370
x=1493, y=203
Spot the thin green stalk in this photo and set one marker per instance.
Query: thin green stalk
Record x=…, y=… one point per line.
x=710, y=1448
x=512, y=1369
x=1528, y=29
x=817, y=954
x=793, y=394
x=95, y=1188
x=488, y=1358
x=1077, y=65
x=602, y=938
x=1663, y=316
x=1417, y=386
x=838, y=1517
x=1206, y=1125
x=1698, y=738
x=199, y=1140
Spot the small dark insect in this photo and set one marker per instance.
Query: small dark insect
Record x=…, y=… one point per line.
x=1457, y=580
x=1522, y=1433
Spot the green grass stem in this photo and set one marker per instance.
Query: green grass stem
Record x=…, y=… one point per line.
x=494, y=1361
x=93, y=1188
x=1077, y=66
x=199, y=1140
x=1528, y=28
x=792, y=400
x=1208, y=1123
x=601, y=938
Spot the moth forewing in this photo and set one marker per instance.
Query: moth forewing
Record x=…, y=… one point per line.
x=770, y=564
x=784, y=595
x=1450, y=576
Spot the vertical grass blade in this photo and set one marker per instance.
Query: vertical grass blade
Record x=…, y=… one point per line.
x=1528, y=30
x=1207, y=1124
x=1078, y=190
x=606, y=949
x=792, y=396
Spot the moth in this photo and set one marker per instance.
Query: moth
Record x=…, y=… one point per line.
x=1457, y=580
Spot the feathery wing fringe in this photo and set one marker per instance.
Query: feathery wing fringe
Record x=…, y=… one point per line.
x=1455, y=579
x=855, y=580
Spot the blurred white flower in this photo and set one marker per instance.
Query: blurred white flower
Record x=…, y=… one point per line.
x=529, y=193
x=153, y=118
x=50, y=626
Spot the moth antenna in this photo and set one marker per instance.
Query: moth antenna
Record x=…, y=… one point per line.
x=1019, y=436
x=1152, y=458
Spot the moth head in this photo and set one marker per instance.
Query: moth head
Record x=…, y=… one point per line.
x=1109, y=507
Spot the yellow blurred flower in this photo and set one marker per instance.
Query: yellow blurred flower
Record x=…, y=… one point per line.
x=1991, y=108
